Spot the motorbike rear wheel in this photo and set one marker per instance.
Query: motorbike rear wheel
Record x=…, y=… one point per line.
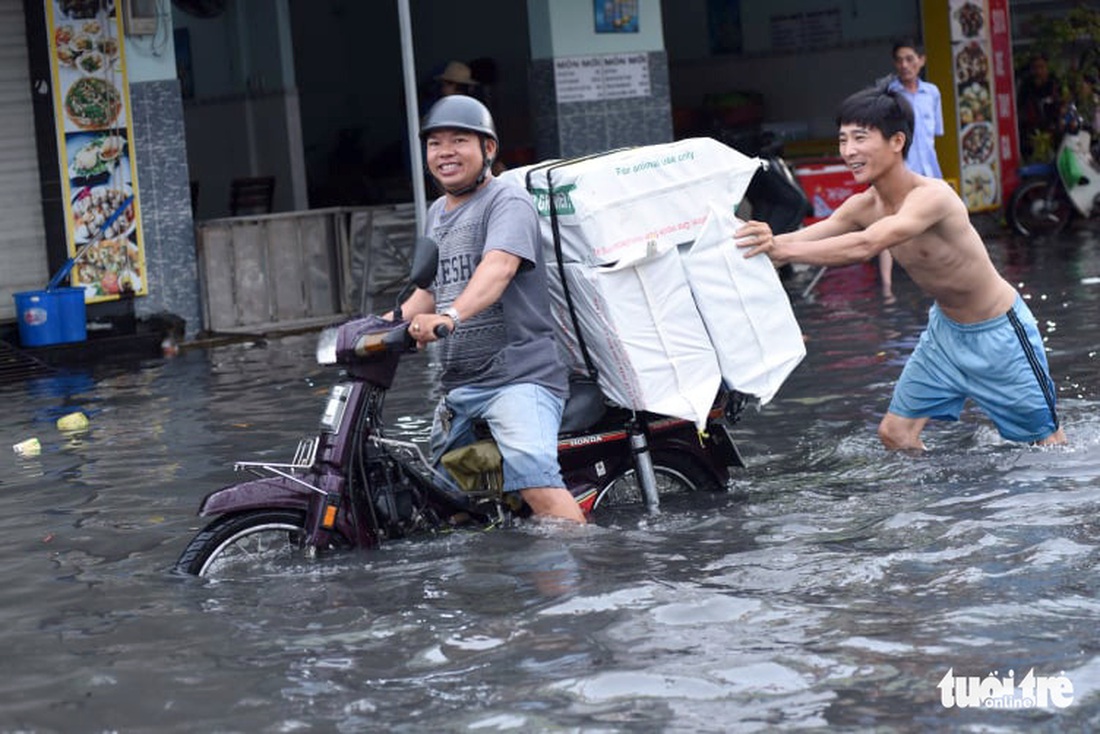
x=675, y=475
x=239, y=544
x=1038, y=207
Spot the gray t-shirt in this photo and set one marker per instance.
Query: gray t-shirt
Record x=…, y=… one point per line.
x=512, y=340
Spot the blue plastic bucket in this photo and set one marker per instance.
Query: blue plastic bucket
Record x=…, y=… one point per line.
x=51, y=317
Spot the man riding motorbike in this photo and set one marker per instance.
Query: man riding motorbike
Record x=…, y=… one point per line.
x=490, y=298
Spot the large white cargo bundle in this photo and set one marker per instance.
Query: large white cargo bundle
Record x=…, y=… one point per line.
x=660, y=335
x=745, y=309
x=643, y=334
x=630, y=204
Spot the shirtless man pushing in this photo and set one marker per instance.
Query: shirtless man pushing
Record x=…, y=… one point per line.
x=982, y=341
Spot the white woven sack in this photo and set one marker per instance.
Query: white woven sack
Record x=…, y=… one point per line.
x=631, y=204
x=644, y=335
x=745, y=308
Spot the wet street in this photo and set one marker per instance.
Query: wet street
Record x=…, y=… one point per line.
x=837, y=586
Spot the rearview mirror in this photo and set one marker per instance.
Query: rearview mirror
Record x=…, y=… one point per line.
x=425, y=261
x=422, y=273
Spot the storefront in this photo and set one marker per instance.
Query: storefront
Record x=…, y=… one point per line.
x=740, y=68
x=22, y=254
x=312, y=95
x=94, y=124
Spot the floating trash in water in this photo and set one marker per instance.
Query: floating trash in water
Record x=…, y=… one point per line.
x=1090, y=281
x=72, y=422
x=30, y=447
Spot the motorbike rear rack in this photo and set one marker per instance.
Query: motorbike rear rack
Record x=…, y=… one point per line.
x=303, y=459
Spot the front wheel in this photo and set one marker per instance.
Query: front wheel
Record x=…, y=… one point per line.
x=242, y=543
x=1038, y=207
x=675, y=475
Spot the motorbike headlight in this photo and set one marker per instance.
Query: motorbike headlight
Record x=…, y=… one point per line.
x=326, y=345
x=335, y=406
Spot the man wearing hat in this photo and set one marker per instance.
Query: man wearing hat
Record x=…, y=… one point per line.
x=456, y=78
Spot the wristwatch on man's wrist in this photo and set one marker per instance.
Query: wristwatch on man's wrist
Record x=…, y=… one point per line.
x=452, y=313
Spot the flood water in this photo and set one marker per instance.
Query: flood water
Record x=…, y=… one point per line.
x=837, y=586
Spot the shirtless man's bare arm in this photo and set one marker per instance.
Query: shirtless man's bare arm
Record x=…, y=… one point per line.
x=926, y=227
x=859, y=229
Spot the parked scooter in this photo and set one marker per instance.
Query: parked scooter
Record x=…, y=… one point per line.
x=1050, y=195
x=776, y=197
x=353, y=486
x=774, y=193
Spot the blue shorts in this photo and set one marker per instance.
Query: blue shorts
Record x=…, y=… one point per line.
x=524, y=420
x=999, y=363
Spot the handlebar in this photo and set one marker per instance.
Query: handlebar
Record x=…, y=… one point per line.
x=368, y=339
x=441, y=331
x=395, y=339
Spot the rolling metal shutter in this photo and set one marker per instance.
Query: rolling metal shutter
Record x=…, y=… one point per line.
x=22, y=237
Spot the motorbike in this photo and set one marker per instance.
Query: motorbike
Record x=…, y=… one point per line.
x=775, y=196
x=1050, y=195
x=352, y=486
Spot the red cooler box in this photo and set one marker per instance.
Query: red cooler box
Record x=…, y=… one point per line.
x=827, y=183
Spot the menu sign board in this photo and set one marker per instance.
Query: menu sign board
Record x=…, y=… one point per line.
x=607, y=76
x=979, y=139
x=809, y=29
x=95, y=146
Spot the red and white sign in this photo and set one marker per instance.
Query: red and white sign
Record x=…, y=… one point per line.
x=1000, y=37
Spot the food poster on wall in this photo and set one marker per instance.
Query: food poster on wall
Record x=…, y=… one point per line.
x=974, y=93
x=95, y=146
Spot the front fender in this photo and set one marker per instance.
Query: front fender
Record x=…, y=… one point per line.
x=256, y=494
